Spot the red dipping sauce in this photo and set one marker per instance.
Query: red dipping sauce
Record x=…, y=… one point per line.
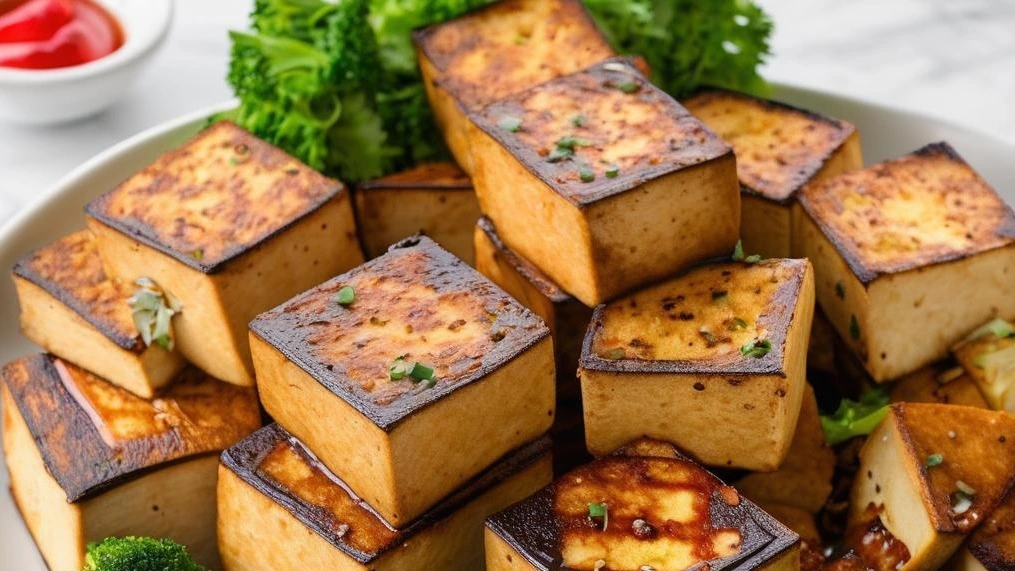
x=50, y=34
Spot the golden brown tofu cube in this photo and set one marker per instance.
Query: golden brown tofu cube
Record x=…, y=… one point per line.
x=566, y=317
x=434, y=199
x=71, y=309
x=713, y=361
x=645, y=506
x=988, y=357
x=280, y=508
x=896, y=244
x=929, y=474
x=942, y=383
x=338, y=376
x=601, y=169
x=90, y=460
x=230, y=226
x=497, y=51
x=992, y=546
x=802, y=523
x=804, y=480
x=779, y=149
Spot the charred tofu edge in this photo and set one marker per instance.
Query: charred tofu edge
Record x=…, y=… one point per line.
x=73, y=449
x=274, y=327
x=537, y=278
x=530, y=528
x=778, y=324
x=865, y=274
x=430, y=176
x=845, y=131
x=259, y=151
x=617, y=69
x=245, y=458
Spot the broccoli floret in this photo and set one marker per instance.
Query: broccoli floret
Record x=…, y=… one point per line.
x=138, y=554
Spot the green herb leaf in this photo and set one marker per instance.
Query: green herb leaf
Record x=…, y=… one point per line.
x=559, y=154
x=612, y=170
x=400, y=369
x=934, y=460
x=738, y=252
x=578, y=120
x=585, y=173
x=421, y=372
x=513, y=124
x=752, y=259
x=570, y=142
x=629, y=86
x=599, y=510
x=734, y=324
x=152, y=310
x=757, y=348
x=854, y=328
x=856, y=418
x=999, y=328
x=345, y=296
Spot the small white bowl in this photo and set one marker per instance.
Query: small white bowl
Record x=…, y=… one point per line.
x=46, y=97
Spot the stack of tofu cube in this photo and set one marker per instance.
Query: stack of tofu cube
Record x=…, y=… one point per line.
x=147, y=376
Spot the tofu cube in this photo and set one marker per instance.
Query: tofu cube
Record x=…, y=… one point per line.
x=280, y=508
x=435, y=199
x=338, y=376
x=804, y=480
x=896, y=244
x=779, y=150
x=71, y=309
x=992, y=546
x=929, y=474
x=942, y=383
x=230, y=226
x=601, y=170
x=645, y=506
x=566, y=317
x=988, y=358
x=497, y=51
x=89, y=460
x=712, y=361
x=804, y=524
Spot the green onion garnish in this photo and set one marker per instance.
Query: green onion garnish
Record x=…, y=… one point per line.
x=152, y=310
x=421, y=372
x=738, y=252
x=612, y=170
x=399, y=369
x=757, y=348
x=512, y=124
x=578, y=120
x=599, y=510
x=934, y=460
x=346, y=295
x=586, y=174
x=628, y=86
x=559, y=154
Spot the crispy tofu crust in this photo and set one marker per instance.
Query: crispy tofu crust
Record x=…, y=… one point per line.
x=779, y=147
x=416, y=301
x=215, y=198
x=993, y=543
x=94, y=435
x=928, y=207
x=651, y=481
x=279, y=466
x=547, y=287
x=492, y=52
x=659, y=329
x=71, y=271
x=628, y=122
x=443, y=176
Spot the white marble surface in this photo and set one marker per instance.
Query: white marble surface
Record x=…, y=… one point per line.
x=949, y=58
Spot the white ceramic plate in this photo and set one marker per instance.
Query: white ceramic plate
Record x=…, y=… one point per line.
x=886, y=133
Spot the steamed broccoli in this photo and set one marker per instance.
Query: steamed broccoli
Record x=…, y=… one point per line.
x=138, y=554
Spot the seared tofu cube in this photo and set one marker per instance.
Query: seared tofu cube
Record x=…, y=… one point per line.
x=230, y=226
x=992, y=546
x=779, y=150
x=280, y=508
x=499, y=50
x=89, y=460
x=802, y=523
x=896, y=244
x=804, y=480
x=988, y=357
x=435, y=199
x=566, y=317
x=942, y=383
x=429, y=376
x=712, y=360
x=929, y=474
x=647, y=506
x=71, y=309
x=586, y=175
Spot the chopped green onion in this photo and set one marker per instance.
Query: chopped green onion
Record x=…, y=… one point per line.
x=570, y=142
x=586, y=174
x=735, y=324
x=421, y=372
x=578, y=120
x=152, y=310
x=399, y=369
x=629, y=86
x=559, y=154
x=934, y=460
x=738, y=251
x=346, y=295
x=997, y=327
x=612, y=170
x=599, y=510
x=512, y=124
x=854, y=328
x=756, y=348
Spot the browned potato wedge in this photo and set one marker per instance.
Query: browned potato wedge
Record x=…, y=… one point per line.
x=646, y=506
x=230, y=226
x=71, y=309
x=606, y=184
x=896, y=244
x=779, y=149
x=499, y=50
x=324, y=372
x=89, y=460
x=280, y=508
x=712, y=360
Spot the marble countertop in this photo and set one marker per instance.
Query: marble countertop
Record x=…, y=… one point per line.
x=947, y=58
